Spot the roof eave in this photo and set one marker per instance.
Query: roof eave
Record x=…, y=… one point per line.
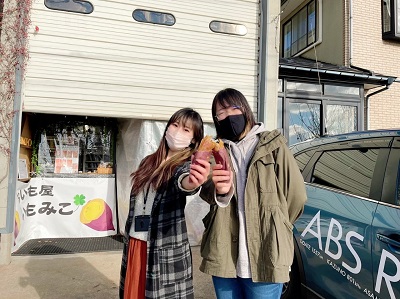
x=369, y=81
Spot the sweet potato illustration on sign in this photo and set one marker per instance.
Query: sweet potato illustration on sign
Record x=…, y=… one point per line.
x=97, y=215
x=17, y=225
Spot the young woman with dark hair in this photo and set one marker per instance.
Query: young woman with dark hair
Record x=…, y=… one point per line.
x=247, y=245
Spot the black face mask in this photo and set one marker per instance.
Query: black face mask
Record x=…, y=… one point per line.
x=231, y=127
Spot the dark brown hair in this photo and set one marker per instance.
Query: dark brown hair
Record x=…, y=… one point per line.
x=232, y=97
x=153, y=169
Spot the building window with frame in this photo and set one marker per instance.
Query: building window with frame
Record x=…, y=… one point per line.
x=390, y=10
x=300, y=31
x=341, y=118
x=311, y=110
x=228, y=28
x=84, y=7
x=304, y=121
x=153, y=17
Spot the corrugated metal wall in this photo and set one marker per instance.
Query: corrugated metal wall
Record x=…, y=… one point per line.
x=107, y=64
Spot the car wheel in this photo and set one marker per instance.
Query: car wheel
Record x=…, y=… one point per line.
x=291, y=289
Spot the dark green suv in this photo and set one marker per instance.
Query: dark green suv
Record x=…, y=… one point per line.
x=347, y=242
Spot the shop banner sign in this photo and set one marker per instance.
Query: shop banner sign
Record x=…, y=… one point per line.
x=64, y=208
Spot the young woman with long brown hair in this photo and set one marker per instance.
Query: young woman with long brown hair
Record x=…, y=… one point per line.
x=157, y=261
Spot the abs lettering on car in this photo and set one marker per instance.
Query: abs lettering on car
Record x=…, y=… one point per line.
x=335, y=239
x=386, y=257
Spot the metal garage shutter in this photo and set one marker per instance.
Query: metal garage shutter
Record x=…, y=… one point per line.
x=107, y=64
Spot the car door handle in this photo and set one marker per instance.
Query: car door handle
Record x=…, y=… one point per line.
x=388, y=240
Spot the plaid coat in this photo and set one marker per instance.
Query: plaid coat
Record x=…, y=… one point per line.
x=169, y=259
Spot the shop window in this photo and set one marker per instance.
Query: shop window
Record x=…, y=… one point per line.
x=300, y=31
x=73, y=145
x=390, y=10
x=78, y=6
x=228, y=28
x=154, y=17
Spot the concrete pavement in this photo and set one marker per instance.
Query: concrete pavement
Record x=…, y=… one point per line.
x=77, y=276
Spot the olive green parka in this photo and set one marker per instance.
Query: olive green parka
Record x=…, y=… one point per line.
x=274, y=198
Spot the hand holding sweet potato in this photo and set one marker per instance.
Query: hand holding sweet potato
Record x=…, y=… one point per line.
x=203, y=153
x=210, y=146
x=220, y=154
x=205, y=150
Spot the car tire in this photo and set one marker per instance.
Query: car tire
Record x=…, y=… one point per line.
x=291, y=289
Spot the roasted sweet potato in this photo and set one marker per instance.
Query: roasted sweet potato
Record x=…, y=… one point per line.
x=205, y=149
x=220, y=154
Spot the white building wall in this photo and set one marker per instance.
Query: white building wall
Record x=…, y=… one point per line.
x=107, y=64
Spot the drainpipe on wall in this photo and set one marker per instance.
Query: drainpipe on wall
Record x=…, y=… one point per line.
x=390, y=81
x=261, y=98
x=350, y=32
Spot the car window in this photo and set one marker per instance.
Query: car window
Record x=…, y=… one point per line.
x=349, y=170
x=303, y=158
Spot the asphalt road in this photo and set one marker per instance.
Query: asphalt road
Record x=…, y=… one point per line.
x=77, y=276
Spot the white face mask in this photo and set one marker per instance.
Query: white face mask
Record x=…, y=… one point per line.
x=177, y=141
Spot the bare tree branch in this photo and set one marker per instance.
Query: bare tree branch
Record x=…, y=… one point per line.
x=14, y=24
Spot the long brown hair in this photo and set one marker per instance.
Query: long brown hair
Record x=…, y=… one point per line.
x=232, y=97
x=153, y=169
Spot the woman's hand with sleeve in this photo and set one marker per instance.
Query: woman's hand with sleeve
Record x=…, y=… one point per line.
x=198, y=174
x=222, y=179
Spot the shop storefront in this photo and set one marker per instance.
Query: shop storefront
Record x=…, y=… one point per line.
x=66, y=178
x=134, y=71
x=74, y=179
